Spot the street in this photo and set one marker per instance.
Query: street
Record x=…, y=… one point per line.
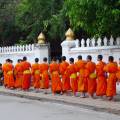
x=13, y=108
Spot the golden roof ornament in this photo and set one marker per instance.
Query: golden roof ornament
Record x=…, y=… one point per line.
x=41, y=38
x=69, y=35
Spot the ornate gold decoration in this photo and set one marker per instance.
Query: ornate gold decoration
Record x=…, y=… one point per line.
x=69, y=35
x=41, y=38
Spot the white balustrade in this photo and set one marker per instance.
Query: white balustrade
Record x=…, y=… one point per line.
x=20, y=48
x=26, y=48
x=111, y=41
x=4, y=49
x=32, y=47
x=82, y=43
x=77, y=43
x=23, y=48
x=99, y=42
x=118, y=41
x=93, y=42
x=29, y=47
x=7, y=49
x=12, y=49
x=88, y=42
x=105, y=40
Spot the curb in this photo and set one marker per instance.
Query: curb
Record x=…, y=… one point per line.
x=43, y=99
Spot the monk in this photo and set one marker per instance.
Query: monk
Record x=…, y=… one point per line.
x=1, y=75
x=72, y=73
x=8, y=74
x=26, y=68
x=111, y=69
x=18, y=74
x=44, y=74
x=55, y=78
x=65, y=77
x=5, y=70
x=91, y=76
x=82, y=86
x=36, y=75
x=101, y=77
x=118, y=72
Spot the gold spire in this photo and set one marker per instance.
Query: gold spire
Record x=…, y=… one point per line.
x=41, y=38
x=69, y=35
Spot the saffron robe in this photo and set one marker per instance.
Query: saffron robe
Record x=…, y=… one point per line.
x=111, y=69
x=26, y=66
x=5, y=70
x=55, y=78
x=65, y=78
x=118, y=74
x=91, y=77
x=101, y=79
x=72, y=73
x=35, y=75
x=18, y=75
x=82, y=86
x=44, y=75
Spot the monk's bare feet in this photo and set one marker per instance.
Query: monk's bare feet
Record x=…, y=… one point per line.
x=45, y=92
x=75, y=94
x=11, y=88
x=26, y=90
x=82, y=95
x=61, y=93
x=110, y=98
x=53, y=94
x=91, y=96
x=37, y=90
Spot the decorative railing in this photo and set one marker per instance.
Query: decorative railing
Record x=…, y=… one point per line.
x=17, y=48
x=98, y=42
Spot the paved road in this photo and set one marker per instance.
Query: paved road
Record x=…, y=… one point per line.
x=12, y=108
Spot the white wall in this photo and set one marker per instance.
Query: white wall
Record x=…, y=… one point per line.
x=92, y=47
x=30, y=51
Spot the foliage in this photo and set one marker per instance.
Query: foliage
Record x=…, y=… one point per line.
x=22, y=20
x=96, y=17
x=8, y=32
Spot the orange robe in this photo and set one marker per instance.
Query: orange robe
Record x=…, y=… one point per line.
x=5, y=70
x=56, y=82
x=101, y=79
x=26, y=75
x=8, y=75
x=36, y=75
x=44, y=75
x=65, y=77
x=118, y=74
x=91, y=77
x=82, y=86
x=18, y=75
x=111, y=69
x=72, y=73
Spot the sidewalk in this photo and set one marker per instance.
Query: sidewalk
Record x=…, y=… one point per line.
x=88, y=103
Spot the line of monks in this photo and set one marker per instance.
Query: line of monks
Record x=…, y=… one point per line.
x=82, y=76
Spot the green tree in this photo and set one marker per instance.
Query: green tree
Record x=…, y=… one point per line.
x=7, y=22
x=96, y=17
x=35, y=16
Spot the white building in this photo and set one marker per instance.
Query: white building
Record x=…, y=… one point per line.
x=93, y=47
x=31, y=51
